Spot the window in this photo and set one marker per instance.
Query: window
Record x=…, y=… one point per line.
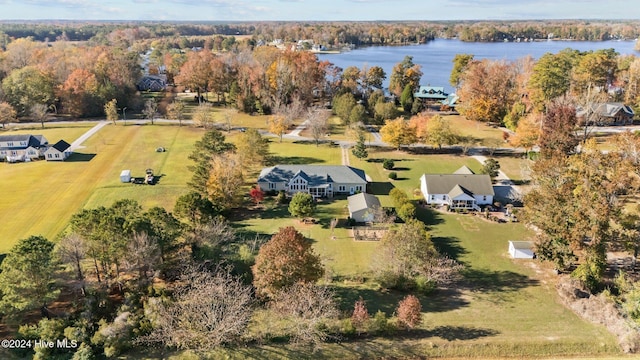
x=9, y=144
x=49, y=156
x=342, y=188
x=359, y=188
x=57, y=156
x=272, y=185
x=484, y=198
x=433, y=197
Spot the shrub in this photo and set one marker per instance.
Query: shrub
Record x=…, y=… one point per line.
x=406, y=211
x=281, y=198
x=409, y=312
x=381, y=325
x=398, y=197
x=348, y=329
x=425, y=285
x=393, y=175
x=388, y=164
x=360, y=314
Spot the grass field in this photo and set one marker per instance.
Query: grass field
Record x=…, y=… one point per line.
x=41, y=196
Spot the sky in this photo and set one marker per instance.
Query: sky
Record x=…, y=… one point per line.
x=320, y=10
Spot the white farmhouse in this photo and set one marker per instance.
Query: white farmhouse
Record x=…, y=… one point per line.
x=317, y=180
x=22, y=147
x=460, y=190
x=60, y=151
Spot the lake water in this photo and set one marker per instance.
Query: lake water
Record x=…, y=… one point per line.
x=436, y=56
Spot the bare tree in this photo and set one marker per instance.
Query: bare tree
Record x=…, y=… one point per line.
x=318, y=123
x=307, y=307
x=143, y=254
x=212, y=234
x=150, y=110
x=208, y=310
x=587, y=105
x=39, y=113
x=228, y=118
x=202, y=116
x=71, y=250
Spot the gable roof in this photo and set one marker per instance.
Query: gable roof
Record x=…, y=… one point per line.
x=458, y=190
x=610, y=109
x=431, y=92
x=478, y=184
x=316, y=174
x=61, y=145
x=464, y=170
x=362, y=201
x=31, y=140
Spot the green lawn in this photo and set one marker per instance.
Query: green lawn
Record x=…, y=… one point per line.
x=40, y=197
x=502, y=308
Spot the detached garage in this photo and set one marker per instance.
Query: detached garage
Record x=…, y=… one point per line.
x=521, y=249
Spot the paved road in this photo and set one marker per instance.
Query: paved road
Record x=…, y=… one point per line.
x=78, y=142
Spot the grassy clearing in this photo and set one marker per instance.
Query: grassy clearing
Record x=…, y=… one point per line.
x=41, y=196
x=477, y=130
x=517, y=169
x=52, y=132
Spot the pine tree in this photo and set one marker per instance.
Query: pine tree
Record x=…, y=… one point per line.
x=360, y=149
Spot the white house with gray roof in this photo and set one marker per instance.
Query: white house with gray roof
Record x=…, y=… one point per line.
x=317, y=180
x=460, y=190
x=22, y=147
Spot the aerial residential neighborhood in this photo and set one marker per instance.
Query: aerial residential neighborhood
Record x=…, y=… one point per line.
x=304, y=190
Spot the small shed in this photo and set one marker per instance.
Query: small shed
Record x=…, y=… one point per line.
x=125, y=176
x=521, y=249
x=362, y=207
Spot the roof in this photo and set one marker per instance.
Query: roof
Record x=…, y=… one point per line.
x=315, y=174
x=61, y=145
x=479, y=184
x=35, y=141
x=608, y=109
x=431, y=92
x=459, y=190
x=362, y=201
x=522, y=245
x=464, y=170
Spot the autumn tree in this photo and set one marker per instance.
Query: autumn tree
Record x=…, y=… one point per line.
x=80, y=93
x=360, y=314
x=594, y=69
x=252, y=148
x=111, y=110
x=7, y=113
x=439, y=132
x=194, y=208
x=558, y=129
x=405, y=73
x=225, y=182
x=278, y=125
x=409, y=312
x=527, y=132
x=27, y=277
x=71, y=249
x=419, y=123
x=487, y=90
x=209, y=309
x=286, y=259
x=212, y=143
x=256, y=194
x=398, y=133
x=176, y=111
x=302, y=205
x=196, y=73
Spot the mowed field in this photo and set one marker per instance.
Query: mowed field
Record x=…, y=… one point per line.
x=40, y=197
